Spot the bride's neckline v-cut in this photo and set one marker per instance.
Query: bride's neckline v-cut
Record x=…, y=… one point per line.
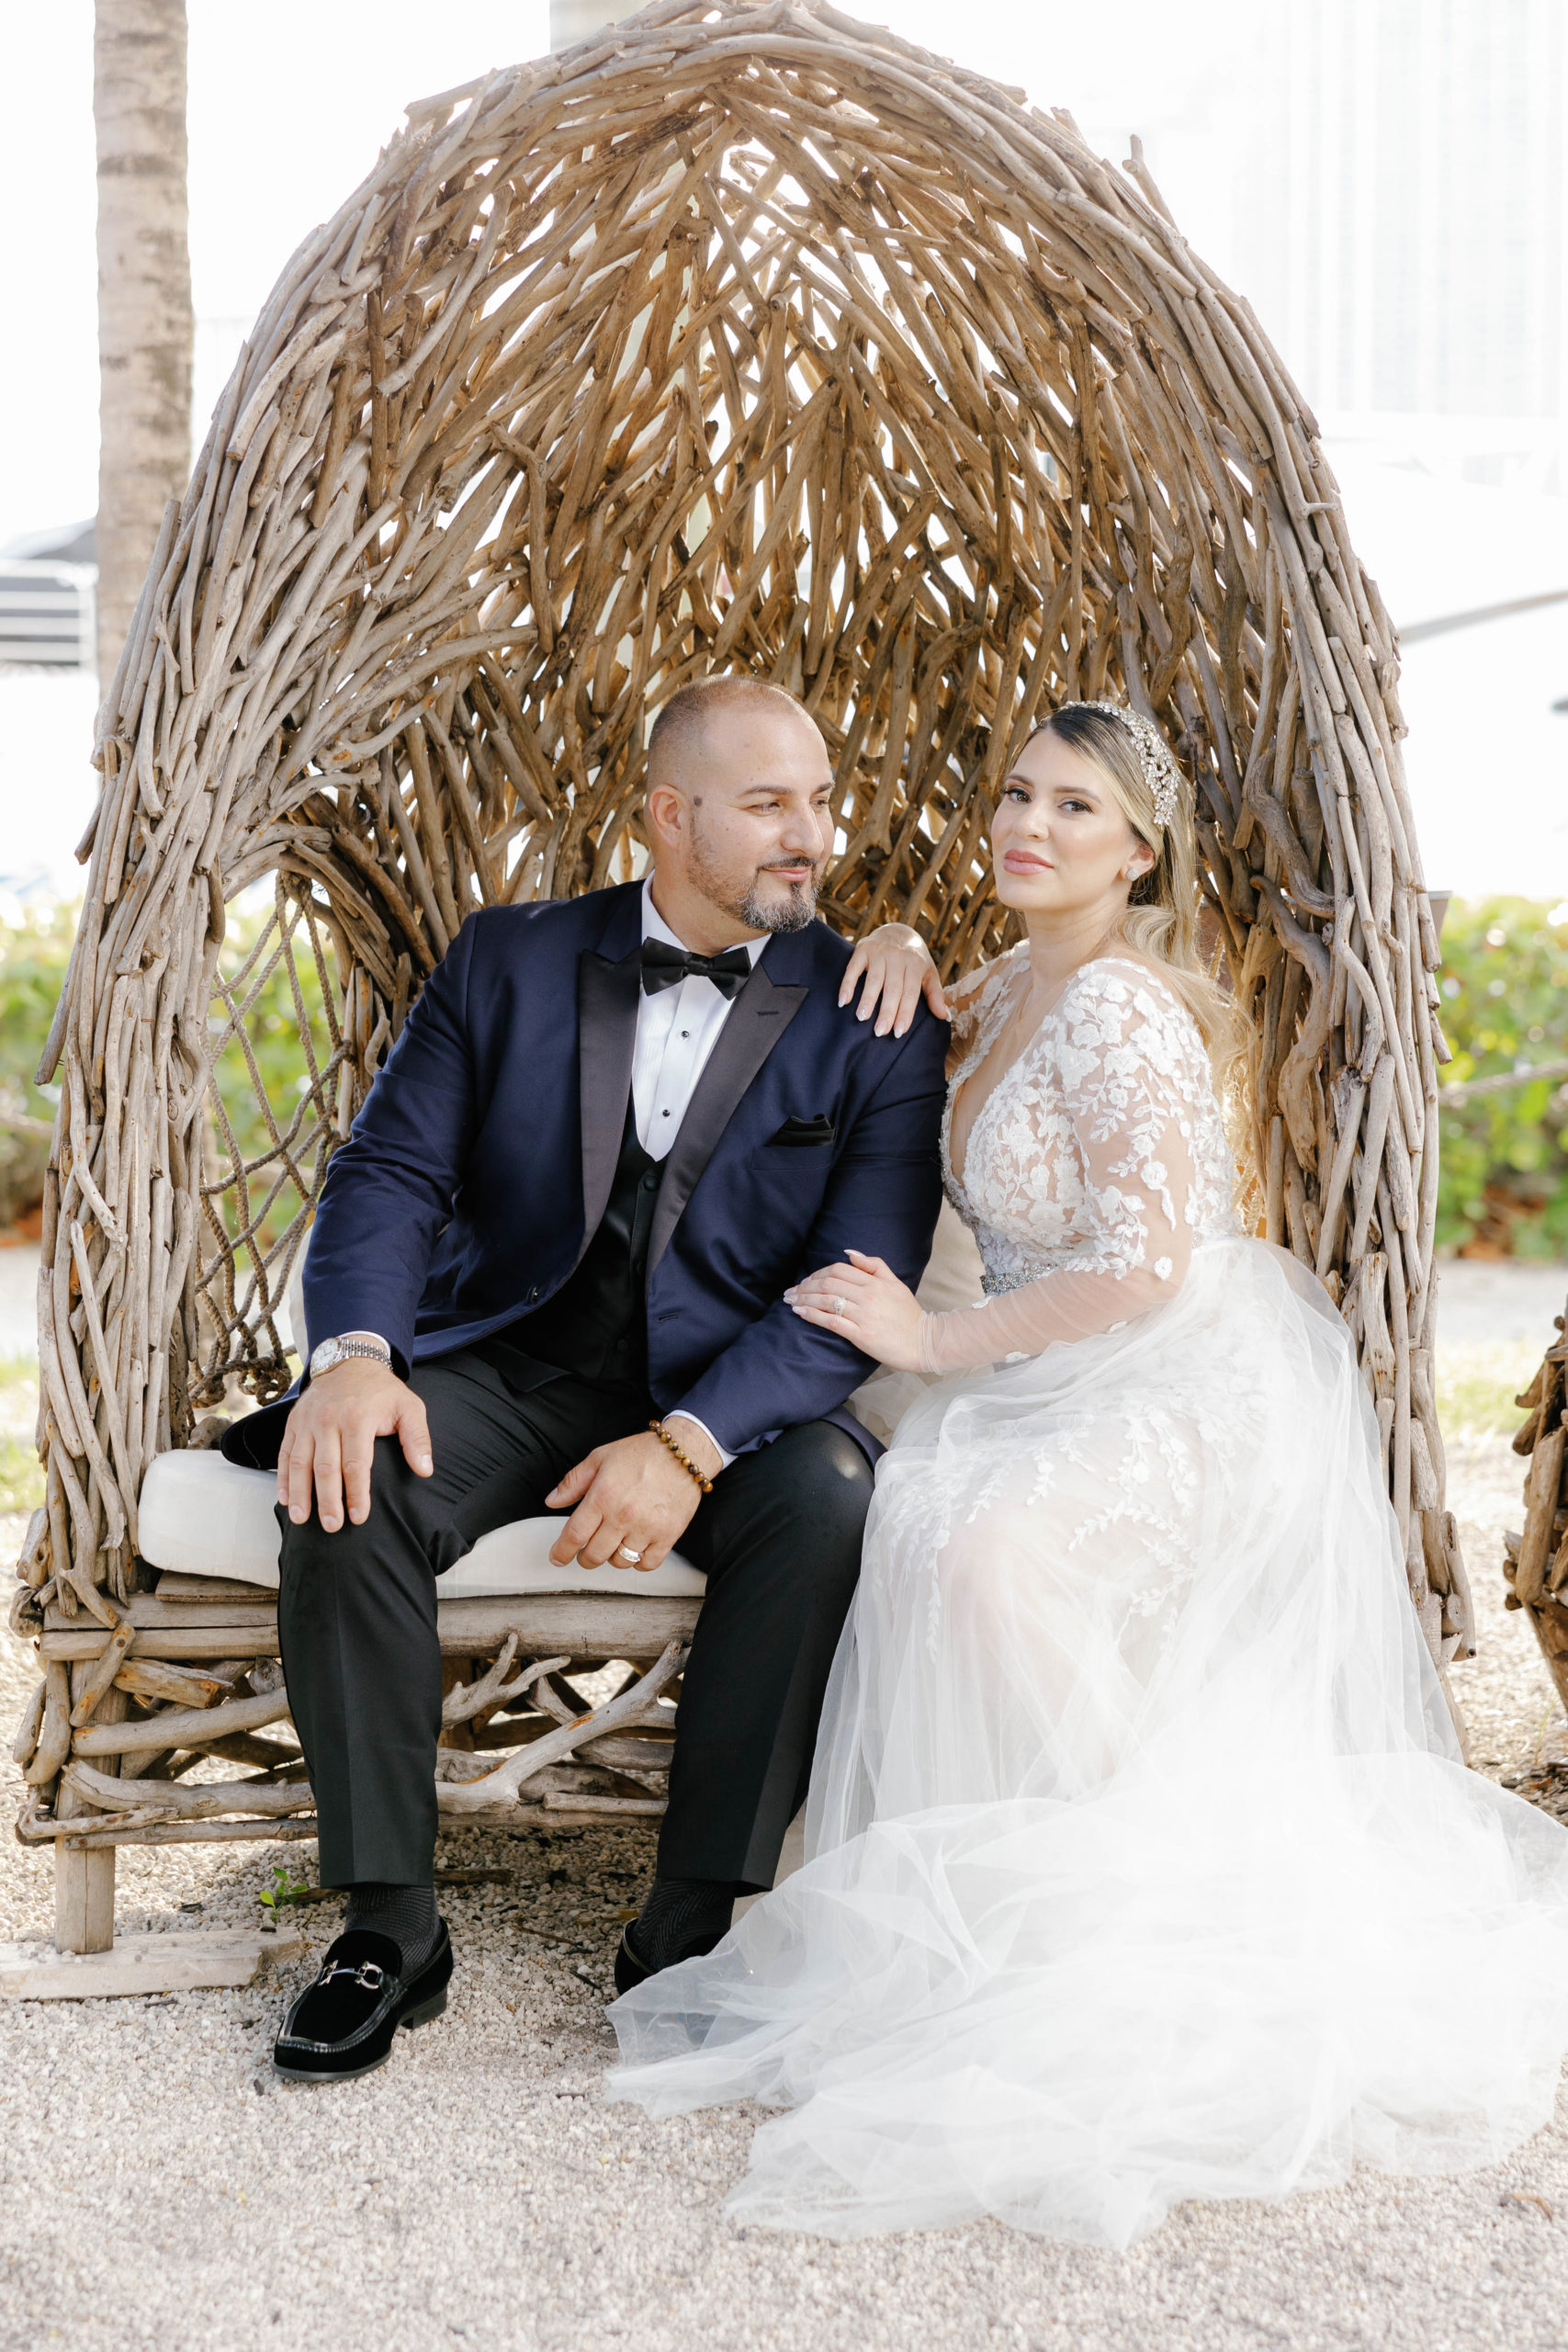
x=956, y=1145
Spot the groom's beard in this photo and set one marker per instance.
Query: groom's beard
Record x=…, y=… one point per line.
x=792, y=911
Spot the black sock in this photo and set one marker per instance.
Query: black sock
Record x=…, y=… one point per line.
x=407, y=1914
x=681, y=1918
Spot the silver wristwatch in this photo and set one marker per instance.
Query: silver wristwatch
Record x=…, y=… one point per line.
x=332, y=1351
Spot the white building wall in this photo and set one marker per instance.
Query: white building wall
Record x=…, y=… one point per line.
x=1401, y=224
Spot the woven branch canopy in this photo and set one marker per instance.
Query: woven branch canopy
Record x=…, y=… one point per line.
x=741, y=337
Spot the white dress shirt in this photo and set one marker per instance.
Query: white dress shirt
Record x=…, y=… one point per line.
x=677, y=1029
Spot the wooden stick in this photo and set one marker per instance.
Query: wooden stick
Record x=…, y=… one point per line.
x=466, y=1700
x=183, y=1727
x=503, y=1784
x=202, y=1802
x=136, y=1830
x=104, y=1670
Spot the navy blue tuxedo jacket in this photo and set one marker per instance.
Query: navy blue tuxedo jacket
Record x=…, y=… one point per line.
x=481, y=1163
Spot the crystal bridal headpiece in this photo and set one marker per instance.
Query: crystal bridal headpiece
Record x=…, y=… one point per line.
x=1160, y=772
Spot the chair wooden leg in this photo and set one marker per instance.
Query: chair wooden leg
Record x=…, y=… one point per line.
x=83, y=1883
x=84, y=1900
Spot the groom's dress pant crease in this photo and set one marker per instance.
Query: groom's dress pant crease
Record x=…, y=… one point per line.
x=779, y=1540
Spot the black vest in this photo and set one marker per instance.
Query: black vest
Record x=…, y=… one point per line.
x=596, y=1325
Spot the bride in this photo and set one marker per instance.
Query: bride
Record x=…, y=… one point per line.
x=1142, y=1862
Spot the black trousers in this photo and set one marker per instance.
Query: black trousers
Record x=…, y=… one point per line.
x=779, y=1541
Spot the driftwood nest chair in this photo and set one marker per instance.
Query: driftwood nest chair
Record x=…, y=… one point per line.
x=740, y=337
x=1535, y=1559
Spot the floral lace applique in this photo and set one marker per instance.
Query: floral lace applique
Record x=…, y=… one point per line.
x=1119, y=1058
x=1093, y=1168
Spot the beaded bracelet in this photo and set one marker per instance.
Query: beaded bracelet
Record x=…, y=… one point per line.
x=685, y=1459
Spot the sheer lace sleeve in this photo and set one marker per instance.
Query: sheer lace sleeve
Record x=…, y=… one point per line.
x=1115, y=1129
x=963, y=992
x=966, y=997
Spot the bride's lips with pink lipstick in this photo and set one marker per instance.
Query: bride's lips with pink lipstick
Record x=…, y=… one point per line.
x=1021, y=861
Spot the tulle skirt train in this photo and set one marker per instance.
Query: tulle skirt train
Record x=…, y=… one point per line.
x=1141, y=1865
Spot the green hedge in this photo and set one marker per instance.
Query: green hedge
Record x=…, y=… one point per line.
x=34, y=953
x=1504, y=991
x=1505, y=1006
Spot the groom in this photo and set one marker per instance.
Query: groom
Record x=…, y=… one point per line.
x=614, y=1130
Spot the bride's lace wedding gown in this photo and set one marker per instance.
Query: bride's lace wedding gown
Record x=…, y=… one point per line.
x=1141, y=1865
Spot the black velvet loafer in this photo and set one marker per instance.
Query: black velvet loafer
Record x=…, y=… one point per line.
x=344, y=2023
x=629, y=1969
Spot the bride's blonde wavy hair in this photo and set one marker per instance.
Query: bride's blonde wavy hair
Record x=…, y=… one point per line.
x=1164, y=908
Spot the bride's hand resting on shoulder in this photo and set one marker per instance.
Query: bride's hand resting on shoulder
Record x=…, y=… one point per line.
x=865, y=1303
x=895, y=964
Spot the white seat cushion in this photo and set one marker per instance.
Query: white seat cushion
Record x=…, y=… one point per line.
x=202, y=1516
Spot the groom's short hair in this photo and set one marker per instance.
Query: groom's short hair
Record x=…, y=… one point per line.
x=684, y=719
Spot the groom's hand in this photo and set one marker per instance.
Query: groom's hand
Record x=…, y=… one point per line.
x=633, y=1493
x=331, y=1440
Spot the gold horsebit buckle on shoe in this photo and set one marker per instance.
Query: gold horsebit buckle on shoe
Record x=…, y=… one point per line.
x=370, y=1972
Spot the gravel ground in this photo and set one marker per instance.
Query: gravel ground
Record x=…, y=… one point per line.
x=161, y=2188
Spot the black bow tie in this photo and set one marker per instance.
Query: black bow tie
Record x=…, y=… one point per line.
x=664, y=966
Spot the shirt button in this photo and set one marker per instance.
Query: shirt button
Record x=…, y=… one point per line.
x=686, y=1033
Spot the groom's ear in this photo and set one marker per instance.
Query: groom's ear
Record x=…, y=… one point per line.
x=666, y=812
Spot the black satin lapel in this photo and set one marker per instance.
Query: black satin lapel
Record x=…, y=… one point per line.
x=758, y=1018
x=606, y=1039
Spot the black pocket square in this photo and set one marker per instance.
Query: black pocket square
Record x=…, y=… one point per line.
x=801, y=1132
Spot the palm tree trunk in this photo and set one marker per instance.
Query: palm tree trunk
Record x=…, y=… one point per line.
x=145, y=326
